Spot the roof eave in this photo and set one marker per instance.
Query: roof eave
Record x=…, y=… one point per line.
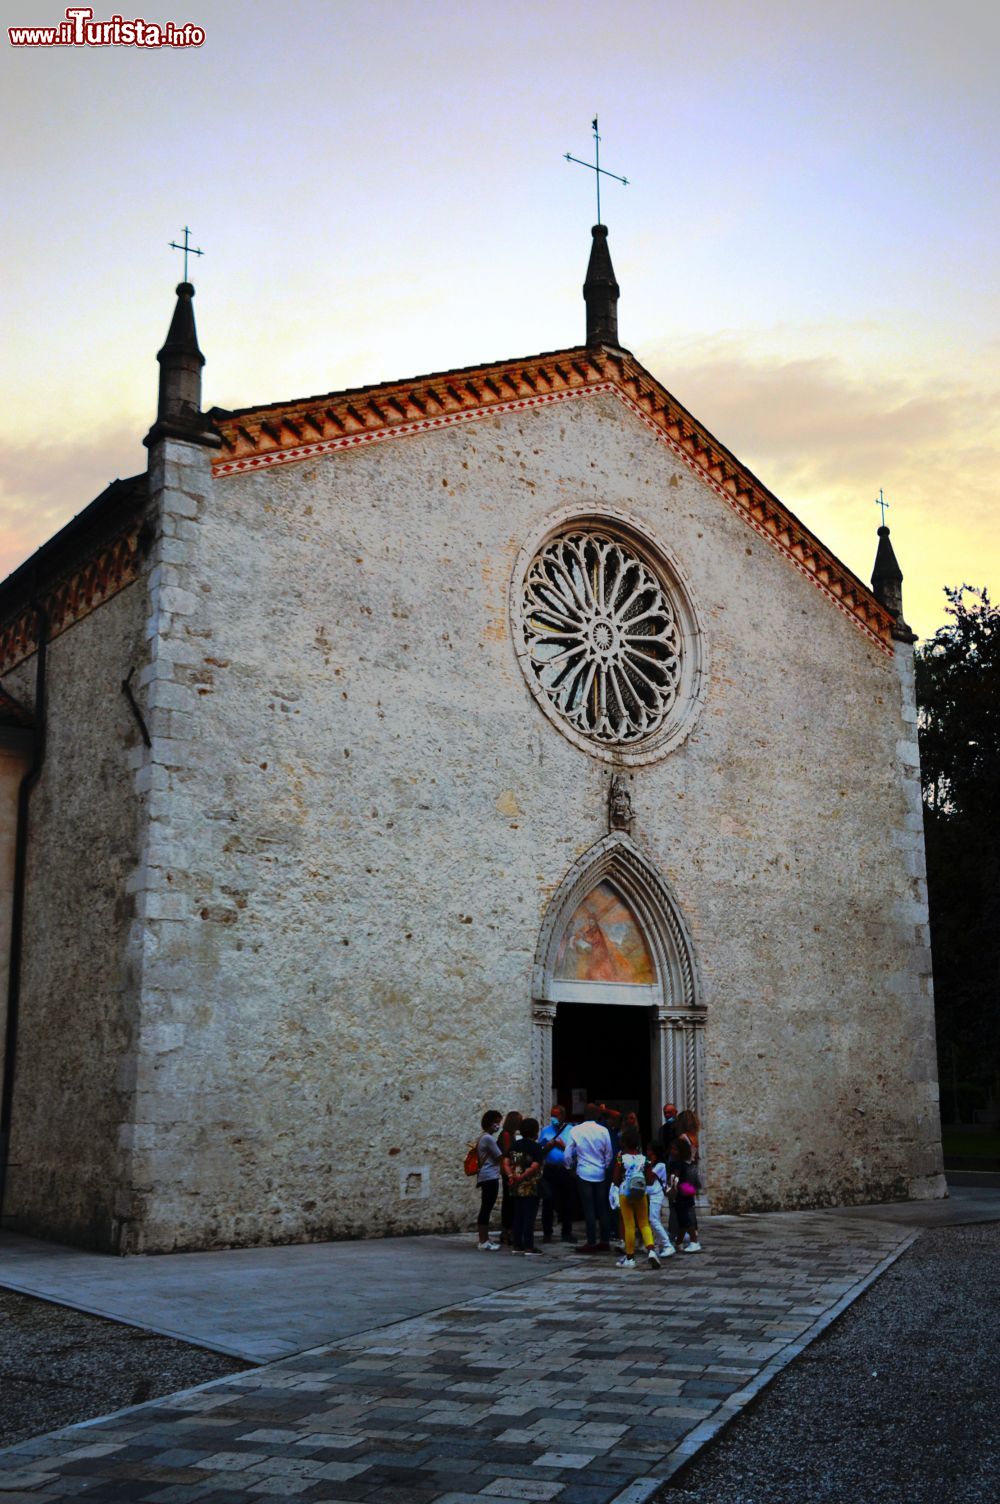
x=105, y=515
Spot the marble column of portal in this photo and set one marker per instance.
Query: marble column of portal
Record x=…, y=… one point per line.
x=695, y=1061
x=543, y=1016
x=681, y=1059
x=673, y=1074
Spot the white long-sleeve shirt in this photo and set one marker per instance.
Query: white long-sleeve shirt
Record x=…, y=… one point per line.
x=589, y=1151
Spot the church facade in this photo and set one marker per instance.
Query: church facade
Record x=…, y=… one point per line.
x=467, y=741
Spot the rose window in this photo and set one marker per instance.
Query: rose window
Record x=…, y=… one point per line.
x=603, y=641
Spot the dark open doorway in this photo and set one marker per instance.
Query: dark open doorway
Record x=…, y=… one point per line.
x=603, y=1051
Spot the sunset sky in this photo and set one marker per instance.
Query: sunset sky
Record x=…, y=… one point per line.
x=806, y=250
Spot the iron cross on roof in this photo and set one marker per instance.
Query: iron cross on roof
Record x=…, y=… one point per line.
x=881, y=502
x=188, y=250
x=596, y=168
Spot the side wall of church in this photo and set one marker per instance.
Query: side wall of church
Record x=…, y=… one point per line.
x=72, y=1096
x=365, y=814
x=15, y=758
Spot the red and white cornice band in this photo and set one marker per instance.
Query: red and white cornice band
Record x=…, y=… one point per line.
x=398, y=431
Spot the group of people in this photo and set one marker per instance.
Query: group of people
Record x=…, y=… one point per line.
x=625, y=1191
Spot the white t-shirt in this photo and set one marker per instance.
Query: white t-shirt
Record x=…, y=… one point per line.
x=589, y=1151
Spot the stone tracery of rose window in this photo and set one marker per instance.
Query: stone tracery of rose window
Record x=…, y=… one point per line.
x=603, y=639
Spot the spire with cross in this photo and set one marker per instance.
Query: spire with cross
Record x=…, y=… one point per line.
x=600, y=290
x=187, y=248
x=880, y=501
x=887, y=577
x=596, y=168
x=178, y=408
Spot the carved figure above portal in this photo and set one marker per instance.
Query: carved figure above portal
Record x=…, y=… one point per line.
x=620, y=812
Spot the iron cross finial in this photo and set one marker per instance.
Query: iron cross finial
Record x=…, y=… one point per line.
x=596, y=168
x=188, y=250
x=881, y=502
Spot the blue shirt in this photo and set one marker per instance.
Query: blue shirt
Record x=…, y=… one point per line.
x=548, y=1133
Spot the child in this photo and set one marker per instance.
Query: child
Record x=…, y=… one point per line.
x=633, y=1175
x=657, y=1194
x=523, y=1168
x=683, y=1174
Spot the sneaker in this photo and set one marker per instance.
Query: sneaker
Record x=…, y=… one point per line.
x=588, y=1247
x=668, y=1252
x=488, y=1247
x=532, y=1253
x=624, y=1262
x=691, y=1248
x=654, y=1259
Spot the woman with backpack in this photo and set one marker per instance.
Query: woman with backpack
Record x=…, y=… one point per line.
x=488, y=1157
x=633, y=1175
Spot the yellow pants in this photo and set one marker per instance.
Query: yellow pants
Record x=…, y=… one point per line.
x=635, y=1214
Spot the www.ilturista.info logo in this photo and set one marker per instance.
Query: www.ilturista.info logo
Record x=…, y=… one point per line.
x=81, y=30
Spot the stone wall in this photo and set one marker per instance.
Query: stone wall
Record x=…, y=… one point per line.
x=69, y=1169
x=15, y=758
x=359, y=816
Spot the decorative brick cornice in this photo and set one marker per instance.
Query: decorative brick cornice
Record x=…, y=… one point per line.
x=95, y=555
x=71, y=598
x=284, y=433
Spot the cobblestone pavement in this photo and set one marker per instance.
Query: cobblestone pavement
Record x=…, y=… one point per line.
x=589, y=1386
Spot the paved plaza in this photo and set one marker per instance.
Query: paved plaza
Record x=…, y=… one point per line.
x=262, y=1303
x=579, y=1382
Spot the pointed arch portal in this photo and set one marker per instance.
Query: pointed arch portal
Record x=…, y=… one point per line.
x=613, y=938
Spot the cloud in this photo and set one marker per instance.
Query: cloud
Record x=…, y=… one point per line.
x=825, y=435
x=43, y=485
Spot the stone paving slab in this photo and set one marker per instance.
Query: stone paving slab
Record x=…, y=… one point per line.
x=265, y=1303
x=586, y=1385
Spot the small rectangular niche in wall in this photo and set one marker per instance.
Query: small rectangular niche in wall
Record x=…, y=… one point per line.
x=414, y=1182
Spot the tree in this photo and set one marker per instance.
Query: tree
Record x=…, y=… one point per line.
x=958, y=698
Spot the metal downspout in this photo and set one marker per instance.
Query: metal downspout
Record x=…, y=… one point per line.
x=17, y=901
